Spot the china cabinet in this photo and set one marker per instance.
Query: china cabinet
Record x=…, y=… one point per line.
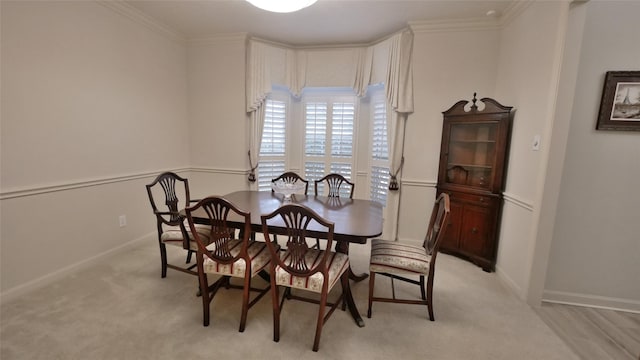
x=475, y=142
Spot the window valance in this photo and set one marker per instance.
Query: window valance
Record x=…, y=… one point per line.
x=388, y=62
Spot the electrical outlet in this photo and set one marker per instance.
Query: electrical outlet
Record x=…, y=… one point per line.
x=123, y=220
x=535, y=144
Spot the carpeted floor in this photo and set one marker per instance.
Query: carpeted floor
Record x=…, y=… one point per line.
x=122, y=309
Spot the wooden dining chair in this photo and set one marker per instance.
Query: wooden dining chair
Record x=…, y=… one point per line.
x=291, y=177
x=399, y=261
x=226, y=256
x=337, y=185
x=301, y=267
x=170, y=224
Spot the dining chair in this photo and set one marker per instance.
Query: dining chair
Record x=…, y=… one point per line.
x=291, y=177
x=300, y=267
x=336, y=185
x=170, y=224
x=400, y=261
x=226, y=256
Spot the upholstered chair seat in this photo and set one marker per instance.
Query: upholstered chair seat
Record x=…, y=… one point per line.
x=337, y=264
x=393, y=257
x=172, y=235
x=257, y=251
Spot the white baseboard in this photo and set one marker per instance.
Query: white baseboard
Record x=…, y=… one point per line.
x=603, y=302
x=510, y=284
x=18, y=291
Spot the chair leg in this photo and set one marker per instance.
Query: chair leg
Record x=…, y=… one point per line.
x=189, y=253
x=424, y=296
x=275, y=299
x=323, y=303
x=372, y=281
x=430, y=298
x=204, y=289
x=245, y=299
x=163, y=259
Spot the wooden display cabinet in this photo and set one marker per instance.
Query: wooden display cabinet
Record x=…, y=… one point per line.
x=472, y=169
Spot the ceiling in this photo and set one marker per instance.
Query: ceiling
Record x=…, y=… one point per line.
x=325, y=22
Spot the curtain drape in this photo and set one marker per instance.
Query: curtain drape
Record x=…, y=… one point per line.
x=262, y=59
x=258, y=86
x=295, y=71
x=364, y=66
x=399, y=93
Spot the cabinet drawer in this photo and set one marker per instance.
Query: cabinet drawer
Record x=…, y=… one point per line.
x=473, y=198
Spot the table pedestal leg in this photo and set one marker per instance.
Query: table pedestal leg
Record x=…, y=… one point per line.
x=343, y=247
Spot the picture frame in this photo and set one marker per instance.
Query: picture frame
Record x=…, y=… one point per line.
x=620, y=103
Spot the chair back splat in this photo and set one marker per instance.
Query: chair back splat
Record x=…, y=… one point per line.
x=335, y=183
x=291, y=177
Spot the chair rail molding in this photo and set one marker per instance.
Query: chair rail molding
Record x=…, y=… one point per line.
x=206, y=169
x=419, y=183
x=44, y=189
x=516, y=200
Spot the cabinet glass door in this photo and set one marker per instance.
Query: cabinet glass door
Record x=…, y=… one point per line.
x=471, y=154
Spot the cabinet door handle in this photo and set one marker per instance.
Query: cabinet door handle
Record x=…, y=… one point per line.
x=481, y=199
x=474, y=230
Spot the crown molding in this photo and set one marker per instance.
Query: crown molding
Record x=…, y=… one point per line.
x=141, y=18
x=469, y=24
x=512, y=11
x=219, y=38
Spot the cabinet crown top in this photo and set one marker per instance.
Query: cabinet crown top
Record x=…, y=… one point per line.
x=490, y=106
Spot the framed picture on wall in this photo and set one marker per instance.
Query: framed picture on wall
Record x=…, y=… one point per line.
x=620, y=103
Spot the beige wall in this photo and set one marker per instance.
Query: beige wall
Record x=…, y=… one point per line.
x=218, y=124
x=448, y=65
x=92, y=104
x=595, y=253
x=530, y=58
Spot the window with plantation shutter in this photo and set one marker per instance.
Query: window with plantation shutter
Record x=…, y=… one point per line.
x=317, y=134
x=316, y=128
x=329, y=135
x=379, y=150
x=273, y=147
x=343, y=116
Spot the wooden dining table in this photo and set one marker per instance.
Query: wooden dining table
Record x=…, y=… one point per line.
x=355, y=221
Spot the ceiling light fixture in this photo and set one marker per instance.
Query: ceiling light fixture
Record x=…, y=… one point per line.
x=281, y=6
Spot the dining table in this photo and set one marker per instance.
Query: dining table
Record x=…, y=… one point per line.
x=355, y=221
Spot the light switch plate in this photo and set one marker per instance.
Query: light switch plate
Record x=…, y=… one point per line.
x=535, y=144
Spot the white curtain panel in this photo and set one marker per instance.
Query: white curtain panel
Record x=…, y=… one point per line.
x=258, y=86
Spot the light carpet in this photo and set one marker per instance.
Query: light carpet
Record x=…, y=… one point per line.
x=120, y=308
